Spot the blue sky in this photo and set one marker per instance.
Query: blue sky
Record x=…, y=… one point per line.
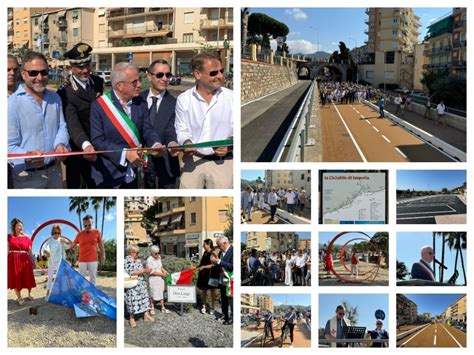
x=433, y=303
x=327, y=26
x=326, y=237
x=433, y=180
x=289, y=299
x=252, y=174
x=303, y=235
x=34, y=211
x=409, y=245
x=366, y=304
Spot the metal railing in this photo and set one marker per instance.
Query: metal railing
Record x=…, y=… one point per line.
x=356, y=343
x=298, y=134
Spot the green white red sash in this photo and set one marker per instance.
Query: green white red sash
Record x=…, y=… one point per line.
x=124, y=124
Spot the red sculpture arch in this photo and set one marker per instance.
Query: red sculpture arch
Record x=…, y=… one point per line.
x=53, y=221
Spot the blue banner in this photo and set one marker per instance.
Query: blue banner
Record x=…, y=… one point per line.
x=70, y=289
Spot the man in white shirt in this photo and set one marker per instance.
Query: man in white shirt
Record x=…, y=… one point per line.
x=204, y=113
x=290, y=201
x=272, y=200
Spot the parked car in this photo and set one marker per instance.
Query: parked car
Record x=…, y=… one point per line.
x=417, y=93
x=104, y=74
x=175, y=80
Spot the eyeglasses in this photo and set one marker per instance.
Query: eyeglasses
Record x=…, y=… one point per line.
x=54, y=233
x=160, y=74
x=379, y=323
x=87, y=225
x=215, y=72
x=134, y=83
x=341, y=314
x=35, y=73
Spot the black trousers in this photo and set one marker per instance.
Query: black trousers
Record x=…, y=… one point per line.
x=224, y=302
x=273, y=210
x=78, y=173
x=291, y=326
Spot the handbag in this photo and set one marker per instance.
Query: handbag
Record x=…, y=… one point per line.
x=213, y=282
x=130, y=281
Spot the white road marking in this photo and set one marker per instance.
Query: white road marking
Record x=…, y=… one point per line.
x=409, y=213
x=376, y=129
x=388, y=141
x=410, y=339
x=362, y=116
x=357, y=112
x=368, y=122
x=400, y=152
x=434, y=341
x=421, y=217
x=447, y=331
x=350, y=134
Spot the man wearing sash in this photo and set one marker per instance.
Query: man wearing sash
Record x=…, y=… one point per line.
x=120, y=120
x=204, y=113
x=334, y=327
x=77, y=94
x=422, y=270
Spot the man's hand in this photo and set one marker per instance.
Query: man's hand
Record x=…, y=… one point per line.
x=158, y=150
x=135, y=157
x=61, y=148
x=220, y=151
x=103, y=258
x=189, y=151
x=90, y=157
x=173, y=152
x=35, y=162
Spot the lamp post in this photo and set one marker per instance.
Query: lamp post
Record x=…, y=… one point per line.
x=357, y=60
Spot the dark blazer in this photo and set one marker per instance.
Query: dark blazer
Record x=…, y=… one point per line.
x=227, y=261
x=422, y=271
x=76, y=105
x=107, y=170
x=164, y=125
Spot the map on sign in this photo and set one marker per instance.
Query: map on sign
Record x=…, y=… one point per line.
x=353, y=197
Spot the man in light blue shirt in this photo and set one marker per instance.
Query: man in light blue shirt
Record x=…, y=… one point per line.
x=35, y=125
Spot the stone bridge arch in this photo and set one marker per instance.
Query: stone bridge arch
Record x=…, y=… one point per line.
x=338, y=71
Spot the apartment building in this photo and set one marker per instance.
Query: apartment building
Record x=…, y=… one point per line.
x=273, y=241
x=388, y=57
x=183, y=223
x=265, y=302
x=134, y=208
x=457, y=312
x=295, y=179
x=248, y=303
x=407, y=310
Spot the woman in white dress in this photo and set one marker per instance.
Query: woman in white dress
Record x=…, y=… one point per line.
x=261, y=199
x=289, y=263
x=156, y=279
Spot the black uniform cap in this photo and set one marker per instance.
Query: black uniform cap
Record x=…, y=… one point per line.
x=79, y=54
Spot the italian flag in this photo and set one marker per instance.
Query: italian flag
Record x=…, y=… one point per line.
x=180, y=278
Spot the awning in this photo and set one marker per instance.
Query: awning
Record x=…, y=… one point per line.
x=177, y=218
x=191, y=245
x=62, y=13
x=156, y=33
x=133, y=35
x=101, y=12
x=45, y=18
x=164, y=222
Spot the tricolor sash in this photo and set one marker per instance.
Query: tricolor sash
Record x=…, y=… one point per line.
x=124, y=124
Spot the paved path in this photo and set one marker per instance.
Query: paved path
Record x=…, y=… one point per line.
x=435, y=335
x=430, y=209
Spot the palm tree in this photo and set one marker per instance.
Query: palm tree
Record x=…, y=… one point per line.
x=402, y=270
x=78, y=205
x=96, y=202
x=108, y=203
x=458, y=242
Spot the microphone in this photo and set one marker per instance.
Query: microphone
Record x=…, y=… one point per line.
x=440, y=264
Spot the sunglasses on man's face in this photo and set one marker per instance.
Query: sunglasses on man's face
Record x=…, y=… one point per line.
x=160, y=74
x=87, y=225
x=215, y=72
x=340, y=314
x=35, y=73
x=56, y=233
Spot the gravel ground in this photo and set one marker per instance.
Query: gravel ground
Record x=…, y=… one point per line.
x=193, y=329
x=57, y=326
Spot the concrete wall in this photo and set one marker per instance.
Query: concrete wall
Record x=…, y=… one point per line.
x=260, y=79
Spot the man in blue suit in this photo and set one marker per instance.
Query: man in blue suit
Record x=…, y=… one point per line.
x=226, y=262
x=422, y=270
x=161, y=106
x=120, y=120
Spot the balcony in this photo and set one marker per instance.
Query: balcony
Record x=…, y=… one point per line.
x=367, y=10
x=121, y=13
x=214, y=24
x=459, y=63
x=460, y=24
x=45, y=26
x=62, y=23
x=140, y=31
x=171, y=232
x=460, y=44
x=174, y=209
x=160, y=10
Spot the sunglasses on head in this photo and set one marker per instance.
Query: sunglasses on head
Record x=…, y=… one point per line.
x=215, y=72
x=35, y=73
x=160, y=74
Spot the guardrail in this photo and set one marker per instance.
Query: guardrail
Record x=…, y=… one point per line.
x=298, y=132
x=411, y=331
x=356, y=343
x=440, y=145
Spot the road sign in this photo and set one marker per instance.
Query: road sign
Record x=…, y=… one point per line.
x=379, y=314
x=130, y=56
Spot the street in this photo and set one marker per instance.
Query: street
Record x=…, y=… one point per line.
x=426, y=210
x=434, y=335
x=302, y=336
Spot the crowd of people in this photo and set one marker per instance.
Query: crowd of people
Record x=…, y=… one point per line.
x=144, y=294
x=126, y=138
x=261, y=268
x=21, y=262
x=293, y=200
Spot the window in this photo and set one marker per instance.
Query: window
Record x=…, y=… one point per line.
x=389, y=57
x=390, y=75
x=395, y=32
x=369, y=74
x=214, y=14
x=25, y=20
x=193, y=218
x=187, y=37
x=395, y=20
x=222, y=216
x=189, y=17
x=36, y=21
x=192, y=199
x=75, y=32
x=302, y=176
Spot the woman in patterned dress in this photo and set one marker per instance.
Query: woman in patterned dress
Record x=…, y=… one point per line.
x=137, y=299
x=20, y=265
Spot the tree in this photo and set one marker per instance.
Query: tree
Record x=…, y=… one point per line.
x=107, y=204
x=96, y=202
x=110, y=247
x=381, y=239
x=244, y=28
x=402, y=270
x=78, y=205
x=458, y=242
x=352, y=313
x=341, y=56
x=264, y=27
x=229, y=231
x=149, y=221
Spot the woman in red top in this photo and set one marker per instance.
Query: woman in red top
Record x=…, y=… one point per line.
x=20, y=266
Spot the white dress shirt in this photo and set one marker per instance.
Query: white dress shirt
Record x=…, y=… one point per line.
x=198, y=121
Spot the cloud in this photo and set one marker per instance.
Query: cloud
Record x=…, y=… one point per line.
x=273, y=44
x=109, y=217
x=277, y=303
x=297, y=14
x=302, y=46
x=294, y=34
